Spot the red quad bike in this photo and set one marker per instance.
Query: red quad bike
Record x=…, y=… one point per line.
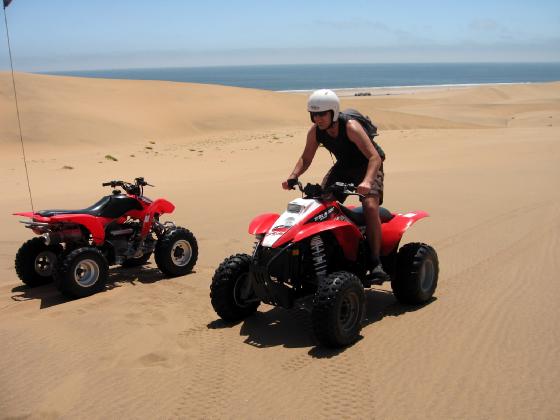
x=316, y=253
x=76, y=247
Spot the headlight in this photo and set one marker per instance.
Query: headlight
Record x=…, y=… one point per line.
x=294, y=208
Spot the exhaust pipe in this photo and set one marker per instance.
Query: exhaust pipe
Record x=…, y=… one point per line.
x=66, y=235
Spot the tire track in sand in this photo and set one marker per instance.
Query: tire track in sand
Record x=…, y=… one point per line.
x=346, y=389
x=207, y=384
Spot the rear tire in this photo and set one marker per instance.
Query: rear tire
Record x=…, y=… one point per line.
x=83, y=272
x=176, y=252
x=417, y=273
x=229, y=288
x=35, y=262
x=338, y=309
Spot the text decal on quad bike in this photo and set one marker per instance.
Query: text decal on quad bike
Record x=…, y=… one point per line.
x=323, y=215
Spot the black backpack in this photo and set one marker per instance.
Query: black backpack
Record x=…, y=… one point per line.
x=368, y=126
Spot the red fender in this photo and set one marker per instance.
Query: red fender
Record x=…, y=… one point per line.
x=146, y=215
x=347, y=235
x=95, y=225
x=393, y=230
x=161, y=206
x=262, y=223
x=25, y=214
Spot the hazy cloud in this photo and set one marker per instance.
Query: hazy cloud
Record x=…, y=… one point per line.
x=344, y=25
x=375, y=28
x=485, y=25
x=470, y=51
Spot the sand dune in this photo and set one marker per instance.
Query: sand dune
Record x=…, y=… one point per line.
x=483, y=161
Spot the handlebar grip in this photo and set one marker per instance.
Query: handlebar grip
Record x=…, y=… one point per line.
x=106, y=184
x=292, y=182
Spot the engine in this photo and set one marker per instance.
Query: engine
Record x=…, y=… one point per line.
x=125, y=242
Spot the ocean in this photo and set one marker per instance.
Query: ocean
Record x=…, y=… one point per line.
x=340, y=76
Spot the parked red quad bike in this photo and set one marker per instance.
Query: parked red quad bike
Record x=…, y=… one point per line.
x=76, y=247
x=316, y=254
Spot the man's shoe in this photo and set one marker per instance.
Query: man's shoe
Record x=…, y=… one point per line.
x=377, y=275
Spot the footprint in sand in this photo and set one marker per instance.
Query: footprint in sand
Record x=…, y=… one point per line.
x=153, y=359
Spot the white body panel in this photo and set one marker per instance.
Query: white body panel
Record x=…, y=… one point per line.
x=290, y=218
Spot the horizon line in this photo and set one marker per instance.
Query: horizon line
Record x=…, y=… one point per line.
x=289, y=64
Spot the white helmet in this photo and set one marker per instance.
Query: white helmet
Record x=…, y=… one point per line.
x=324, y=100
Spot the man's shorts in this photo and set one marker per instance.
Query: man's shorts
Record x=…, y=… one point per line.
x=354, y=175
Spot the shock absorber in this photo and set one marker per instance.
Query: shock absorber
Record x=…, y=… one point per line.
x=258, y=240
x=318, y=254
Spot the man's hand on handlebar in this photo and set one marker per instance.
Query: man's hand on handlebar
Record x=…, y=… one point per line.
x=364, y=188
x=290, y=184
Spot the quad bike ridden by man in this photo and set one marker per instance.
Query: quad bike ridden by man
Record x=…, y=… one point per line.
x=349, y=136
x=317, y=251
x=76, y=247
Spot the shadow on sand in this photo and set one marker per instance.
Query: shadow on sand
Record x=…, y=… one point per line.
x=292, y=327
x=50, y=296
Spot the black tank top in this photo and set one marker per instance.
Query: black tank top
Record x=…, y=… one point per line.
x=347, y=153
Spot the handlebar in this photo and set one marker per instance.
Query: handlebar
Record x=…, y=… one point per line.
x=137, y=188
x=317, y=191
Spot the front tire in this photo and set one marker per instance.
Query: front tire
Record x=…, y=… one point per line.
x=83, y=272
x=417, y=273
x=176, y=252
x=338, y=309
x=35, y=262
x=230, y=291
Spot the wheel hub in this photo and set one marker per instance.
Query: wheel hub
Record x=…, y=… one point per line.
x=426, y=275
x=242, y=291
x=86, y=273
x=181, y=253
x=349, y=310
x=44, y=263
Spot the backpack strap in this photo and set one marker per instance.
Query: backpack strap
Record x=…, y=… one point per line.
x=368, y=126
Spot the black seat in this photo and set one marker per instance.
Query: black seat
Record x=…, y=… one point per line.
x=110, y=206
x=357, y=214
x=94, y=210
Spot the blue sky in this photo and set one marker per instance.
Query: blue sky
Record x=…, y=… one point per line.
x=102, y=34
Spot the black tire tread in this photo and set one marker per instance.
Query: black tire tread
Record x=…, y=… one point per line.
x=25, y=260
x=323, y=314
x=67, y=286
x=222, y=286
x=409, y=261
x=163, y=247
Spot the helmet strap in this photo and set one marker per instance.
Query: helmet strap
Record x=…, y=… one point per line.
x=332, y=120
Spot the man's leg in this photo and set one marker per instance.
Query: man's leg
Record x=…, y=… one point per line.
x=370, y=203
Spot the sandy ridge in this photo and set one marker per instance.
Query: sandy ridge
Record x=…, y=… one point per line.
x=483, y=161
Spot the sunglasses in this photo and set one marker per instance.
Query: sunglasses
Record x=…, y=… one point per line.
x=319, y=114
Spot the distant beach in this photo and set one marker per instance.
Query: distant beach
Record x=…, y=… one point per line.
x=340, y=76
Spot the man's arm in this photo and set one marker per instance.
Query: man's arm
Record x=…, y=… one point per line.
x=358, y=136
x=306, y=158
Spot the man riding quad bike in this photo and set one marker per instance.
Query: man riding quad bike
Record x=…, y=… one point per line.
x=317, y=249
x=76, y=247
